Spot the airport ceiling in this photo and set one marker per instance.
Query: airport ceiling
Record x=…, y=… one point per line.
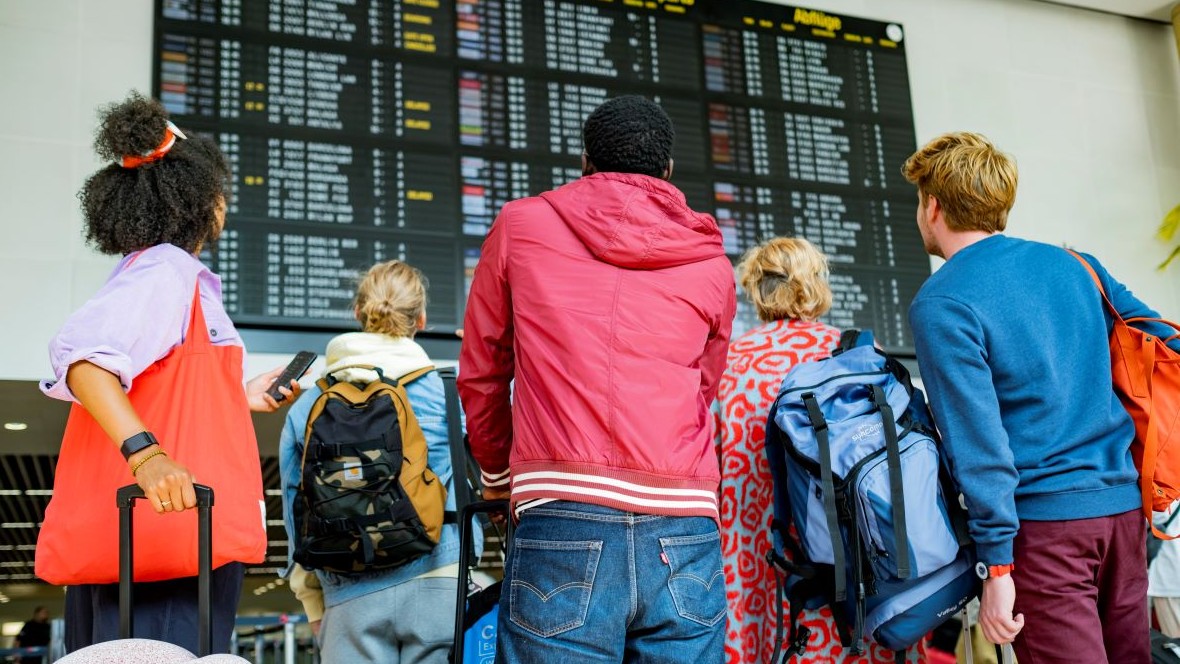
x=1155, y=10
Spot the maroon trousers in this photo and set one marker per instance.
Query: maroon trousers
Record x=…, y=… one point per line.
x=1082, y=587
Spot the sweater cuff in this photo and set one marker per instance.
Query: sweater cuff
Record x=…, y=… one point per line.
x=497, y=480
x=998, y=553
x=306, y=586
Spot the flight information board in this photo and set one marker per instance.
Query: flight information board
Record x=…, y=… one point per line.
x=366, y=130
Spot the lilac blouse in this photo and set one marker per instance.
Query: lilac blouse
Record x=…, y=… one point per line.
x=138, y=316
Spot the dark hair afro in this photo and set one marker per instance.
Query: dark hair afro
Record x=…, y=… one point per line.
x=629, y=134
x=171, y=200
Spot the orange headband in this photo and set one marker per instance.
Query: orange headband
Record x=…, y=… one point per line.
x=171, y=133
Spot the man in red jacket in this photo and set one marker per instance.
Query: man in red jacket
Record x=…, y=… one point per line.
x=609, y=302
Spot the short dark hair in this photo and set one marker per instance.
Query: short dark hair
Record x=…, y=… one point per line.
x=171, y=200
x=629, y=134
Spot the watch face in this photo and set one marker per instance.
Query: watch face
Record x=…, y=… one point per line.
x=981, y=570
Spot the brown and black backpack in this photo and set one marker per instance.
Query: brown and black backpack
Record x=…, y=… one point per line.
x=367, y=499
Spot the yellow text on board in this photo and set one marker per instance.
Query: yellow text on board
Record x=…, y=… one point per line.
x=818, y=19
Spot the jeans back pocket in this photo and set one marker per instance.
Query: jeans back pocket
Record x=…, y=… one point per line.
x=696, y=580
x=551, y=584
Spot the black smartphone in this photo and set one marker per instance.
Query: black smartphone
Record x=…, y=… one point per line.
x=299, y=364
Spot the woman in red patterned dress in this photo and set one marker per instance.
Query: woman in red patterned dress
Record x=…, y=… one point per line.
x=786, y=280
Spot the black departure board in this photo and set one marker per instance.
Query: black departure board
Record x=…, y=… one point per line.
x=368, y=130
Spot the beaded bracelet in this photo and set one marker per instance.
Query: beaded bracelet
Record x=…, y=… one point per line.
x=136, y=467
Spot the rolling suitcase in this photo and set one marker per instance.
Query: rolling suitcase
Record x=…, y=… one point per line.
x=476, y=610
x=125, y=499
x=476, y=613
x=1004, y=654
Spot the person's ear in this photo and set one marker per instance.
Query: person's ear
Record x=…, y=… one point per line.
x=421, y=324
x=587, y=165
x=933, y=209
x=668, y=170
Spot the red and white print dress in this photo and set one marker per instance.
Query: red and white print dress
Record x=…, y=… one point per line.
x=758, y=361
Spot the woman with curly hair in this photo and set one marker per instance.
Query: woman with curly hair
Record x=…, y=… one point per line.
x=153, y=367
x=786, y=279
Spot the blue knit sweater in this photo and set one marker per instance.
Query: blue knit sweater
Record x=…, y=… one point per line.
x=1012, y=341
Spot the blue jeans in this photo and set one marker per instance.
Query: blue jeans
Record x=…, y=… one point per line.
x=585, y=583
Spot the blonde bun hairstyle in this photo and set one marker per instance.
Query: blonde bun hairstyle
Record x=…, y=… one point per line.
x=786, y=278
x=391, y=298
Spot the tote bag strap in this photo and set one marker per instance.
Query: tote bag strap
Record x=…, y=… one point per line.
x=1137, y=360
x=1138, y=378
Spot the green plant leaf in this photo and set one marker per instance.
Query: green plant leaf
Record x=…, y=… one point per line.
x=1171, y=257
x=1170, y=225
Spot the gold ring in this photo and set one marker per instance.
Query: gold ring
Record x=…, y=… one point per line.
x=165, y=503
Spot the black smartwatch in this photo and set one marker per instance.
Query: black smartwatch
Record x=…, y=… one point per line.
x=985, y=571
x=137, y=443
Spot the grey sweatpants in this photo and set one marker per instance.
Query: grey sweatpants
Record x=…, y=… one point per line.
x=410, y=623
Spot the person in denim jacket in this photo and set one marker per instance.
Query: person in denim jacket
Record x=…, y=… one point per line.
x=403, y=615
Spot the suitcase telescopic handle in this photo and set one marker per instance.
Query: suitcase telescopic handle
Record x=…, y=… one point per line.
x=125, y=498
x=467, y=561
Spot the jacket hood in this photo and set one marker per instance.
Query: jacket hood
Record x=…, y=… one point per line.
x=397, y=356
x=636, y=221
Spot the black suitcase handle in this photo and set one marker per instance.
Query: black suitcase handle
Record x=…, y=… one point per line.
x=467, y=561
x=464, y=470
x=125, y=498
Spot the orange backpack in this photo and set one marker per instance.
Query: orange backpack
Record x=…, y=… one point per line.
x=1146, y=376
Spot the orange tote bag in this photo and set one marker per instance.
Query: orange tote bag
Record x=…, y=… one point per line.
x=193, y=401
x=1146, y=376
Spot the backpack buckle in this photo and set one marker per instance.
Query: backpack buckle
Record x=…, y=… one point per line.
x=791, y=568
x=813, y=412
x=332, y=527
x=780, y=563
x=799, y=645
x=325, y=451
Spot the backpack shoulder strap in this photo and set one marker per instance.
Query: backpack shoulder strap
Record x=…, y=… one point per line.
x=848, y=340
x=896, y=488
x=827, y=481
x=448, y=517
x=854, y=338
x=323, y=383
x=406, y=379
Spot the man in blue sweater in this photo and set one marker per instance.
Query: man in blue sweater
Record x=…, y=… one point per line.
x=1011, y=337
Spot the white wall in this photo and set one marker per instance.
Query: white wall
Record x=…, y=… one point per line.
x=59, y=60
x=1089, y=104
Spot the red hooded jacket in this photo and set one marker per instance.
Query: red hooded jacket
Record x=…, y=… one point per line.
x=610, y=304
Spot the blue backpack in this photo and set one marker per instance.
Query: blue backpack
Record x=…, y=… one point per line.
x=867, y=517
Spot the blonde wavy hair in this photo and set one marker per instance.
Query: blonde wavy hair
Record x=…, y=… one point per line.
x=973, y=181
x=786, y=278
x=390, y=299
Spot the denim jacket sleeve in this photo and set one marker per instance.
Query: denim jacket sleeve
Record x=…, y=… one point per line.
x=290, y=454
x=428, y=399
